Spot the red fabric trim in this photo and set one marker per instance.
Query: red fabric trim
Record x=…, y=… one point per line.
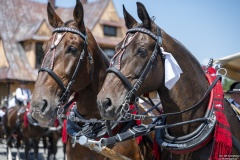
x=64, y=129
x=156, y=150
x=25, y=120
x=222, y=144
x=64, y=132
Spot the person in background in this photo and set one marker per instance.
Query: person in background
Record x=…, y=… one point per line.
x=234, y=99
x=2, y=128
x=2, y=112
x=234, y=92
x=23, y=94
x=12, y=101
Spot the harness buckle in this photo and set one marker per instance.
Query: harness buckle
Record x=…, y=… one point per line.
x=95, y=145
x=138, y=117
x=71, y=116
x=60, y=111
x=73, y=141
x=140, y=128
x=125, y=109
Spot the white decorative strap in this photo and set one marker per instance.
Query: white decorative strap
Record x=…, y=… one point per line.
x=172, y=70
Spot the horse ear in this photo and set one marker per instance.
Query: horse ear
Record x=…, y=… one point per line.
x=78, y=15
x=129, y=20
x=54, y=20
x=143, y=15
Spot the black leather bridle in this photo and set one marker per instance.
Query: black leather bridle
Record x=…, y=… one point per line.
x=66, y=90
x=163, y=138
x=133, y=88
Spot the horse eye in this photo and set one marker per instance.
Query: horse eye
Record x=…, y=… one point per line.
x=142, y=52
x=71, y=49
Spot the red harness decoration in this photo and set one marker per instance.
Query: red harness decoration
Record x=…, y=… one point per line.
x=156, y=150
x=25, y=120
x=64, y=129
x=64, y=132
x=222, y=144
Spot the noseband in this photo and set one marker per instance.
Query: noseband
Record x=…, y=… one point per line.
x=133, y=89
x=66, y=90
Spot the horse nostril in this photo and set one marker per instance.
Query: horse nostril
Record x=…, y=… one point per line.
x=107, y=103
x=45, y=104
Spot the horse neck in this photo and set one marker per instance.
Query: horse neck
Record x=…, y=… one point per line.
x=87, y=99
x=191, y=86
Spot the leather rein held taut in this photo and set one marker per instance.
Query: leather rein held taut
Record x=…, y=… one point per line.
x=65, y=90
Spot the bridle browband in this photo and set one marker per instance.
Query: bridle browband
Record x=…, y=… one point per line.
x=66, y=90
x=133, y=88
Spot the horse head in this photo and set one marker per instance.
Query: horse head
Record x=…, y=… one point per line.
x=144, y=62
x=148, y=59
x=66, y=59
x=132, y=56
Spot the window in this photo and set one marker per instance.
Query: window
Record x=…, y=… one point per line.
x=110, y=52
x=39, y=54
x=109, y=30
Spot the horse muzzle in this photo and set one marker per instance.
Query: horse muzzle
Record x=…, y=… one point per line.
x=44, y=120
x=107, y=110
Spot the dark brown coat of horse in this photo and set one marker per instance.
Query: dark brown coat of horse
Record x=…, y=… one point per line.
x=189, y=89
x=88, y=81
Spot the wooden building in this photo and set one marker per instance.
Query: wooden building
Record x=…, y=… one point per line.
x=24, y=27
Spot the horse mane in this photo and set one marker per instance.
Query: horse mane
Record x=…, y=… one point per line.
x=183, y=46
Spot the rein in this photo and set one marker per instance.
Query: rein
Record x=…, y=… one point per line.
x=158, y=124
x=66, y=90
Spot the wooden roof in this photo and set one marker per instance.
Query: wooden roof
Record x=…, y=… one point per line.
x=20, y=20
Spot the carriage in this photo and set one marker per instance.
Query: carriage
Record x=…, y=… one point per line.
x=100, y=98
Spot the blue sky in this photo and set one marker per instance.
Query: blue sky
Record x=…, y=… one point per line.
x=208, y=28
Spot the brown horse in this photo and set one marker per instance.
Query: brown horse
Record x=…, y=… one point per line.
x=18, y=133
x=73, y=63
x=28, y=134
x=138, y=67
